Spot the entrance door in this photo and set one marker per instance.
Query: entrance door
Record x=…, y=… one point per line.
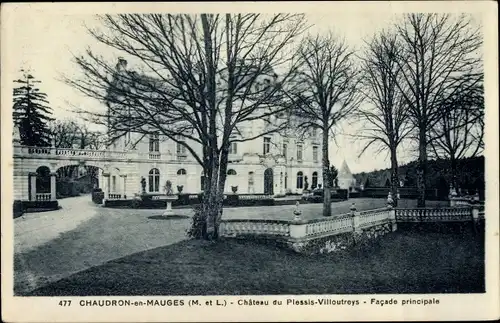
x=268, y=182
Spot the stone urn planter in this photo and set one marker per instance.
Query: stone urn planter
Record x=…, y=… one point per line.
x=169, y=197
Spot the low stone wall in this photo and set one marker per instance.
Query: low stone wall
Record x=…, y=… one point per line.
x=21, y=207
x=326, y=235
x=322, y=235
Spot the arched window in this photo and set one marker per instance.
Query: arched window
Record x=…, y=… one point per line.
x=314, y=180
x=231, y=172
x=300, y=180
x=181, y=171
x=154, y=180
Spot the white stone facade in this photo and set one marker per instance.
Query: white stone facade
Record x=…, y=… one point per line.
x=259, y=166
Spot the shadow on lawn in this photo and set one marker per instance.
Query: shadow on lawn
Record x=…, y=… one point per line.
x=401, y=262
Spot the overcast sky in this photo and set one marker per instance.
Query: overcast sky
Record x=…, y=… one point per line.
x=44, y=42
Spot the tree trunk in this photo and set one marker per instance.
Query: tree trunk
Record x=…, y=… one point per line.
x=453, y=169
x=327, y=199
x=210, y=199
x=394, y=176
x=220, y=193
x=421, y=167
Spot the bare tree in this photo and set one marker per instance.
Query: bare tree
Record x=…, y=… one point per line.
x=64, y=133
x=384, y=116
x=203, y=79
x=69, y=134
x=459, y=131
x=437, y=49
x=327, y=93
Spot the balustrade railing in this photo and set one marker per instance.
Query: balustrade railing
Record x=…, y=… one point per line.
x=230, y=228
x=43, y=196
x=255, y=197
x=446, y=214
x=86, y=153
x=373, y=217
x=332, y=226
x=114, y=196
x=299, y=231
x=154, y=155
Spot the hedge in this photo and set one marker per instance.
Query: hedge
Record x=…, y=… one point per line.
x=21, y=207
x=336, y=193
x=147, y=201
x=404, y=192
x=18, y=209
x=97, y=196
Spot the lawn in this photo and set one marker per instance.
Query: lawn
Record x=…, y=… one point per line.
x=401, y=262
x=313, y=211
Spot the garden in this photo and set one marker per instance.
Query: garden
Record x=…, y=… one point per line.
x=406, y=261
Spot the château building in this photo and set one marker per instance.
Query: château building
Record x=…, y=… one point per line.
x=271, y=164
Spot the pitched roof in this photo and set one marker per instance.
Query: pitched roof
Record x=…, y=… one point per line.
x=344, y=170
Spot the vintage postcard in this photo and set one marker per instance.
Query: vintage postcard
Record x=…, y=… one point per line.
x=250, y=161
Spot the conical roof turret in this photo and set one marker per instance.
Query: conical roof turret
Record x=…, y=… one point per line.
x=344, y=170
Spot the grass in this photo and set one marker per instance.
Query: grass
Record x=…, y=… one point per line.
x=401, y=262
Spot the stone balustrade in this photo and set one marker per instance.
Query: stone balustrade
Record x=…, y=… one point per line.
x=43, y=196
x=328, y=226
x=114, y=196
x=255, y=197
x=155, y=155
x=375, y=217
x=235, y=228
x=445, y=214
x=300, y=234
x=70, y=153
x=338, y=232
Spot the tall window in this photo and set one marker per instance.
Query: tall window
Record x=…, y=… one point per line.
x=267, y=145
x=181, y=151
x=233, y=148
x=314, y=132
x=250, y=178
x=154, y=180
x=299, y=152
x=202, y=181
x=315, y=154
x=286, y=180
x=113, y=183
x=43, y=179
x=300, y=180
x=314, y=180
x=284, y=150
x=154, y=142
x=181, y=177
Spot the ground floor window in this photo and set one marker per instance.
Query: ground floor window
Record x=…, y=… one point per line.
x=154, y=180
x=314, y=180
x=300, y=180
x=43, y=179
